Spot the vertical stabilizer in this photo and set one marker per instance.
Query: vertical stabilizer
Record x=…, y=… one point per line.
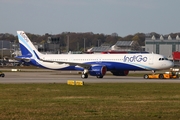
x=26, y=46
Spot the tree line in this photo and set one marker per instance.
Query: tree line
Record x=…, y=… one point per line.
x=89, y=39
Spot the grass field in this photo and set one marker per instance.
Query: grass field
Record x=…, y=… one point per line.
x=116, y=101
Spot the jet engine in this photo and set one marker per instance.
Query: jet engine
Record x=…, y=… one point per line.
x=98, y=71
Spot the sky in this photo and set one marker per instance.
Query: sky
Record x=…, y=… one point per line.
x=124, y=17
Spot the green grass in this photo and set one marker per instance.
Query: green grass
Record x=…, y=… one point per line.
x=114, y=101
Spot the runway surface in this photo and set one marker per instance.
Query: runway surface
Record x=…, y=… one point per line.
x=57, y=77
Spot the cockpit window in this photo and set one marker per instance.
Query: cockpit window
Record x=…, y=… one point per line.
x=163, y=59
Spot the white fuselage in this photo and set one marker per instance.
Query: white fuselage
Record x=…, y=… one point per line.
x=127, y=61
x=94, y=64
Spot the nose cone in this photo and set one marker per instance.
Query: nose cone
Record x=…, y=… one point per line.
x=170, y=64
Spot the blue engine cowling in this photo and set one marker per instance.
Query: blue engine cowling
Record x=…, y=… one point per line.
x=97, y=70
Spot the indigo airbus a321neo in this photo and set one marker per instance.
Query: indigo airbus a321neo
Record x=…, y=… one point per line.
x=91, y=64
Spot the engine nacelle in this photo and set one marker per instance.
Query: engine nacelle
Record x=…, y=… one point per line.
x=97, y=70
x=120, y=73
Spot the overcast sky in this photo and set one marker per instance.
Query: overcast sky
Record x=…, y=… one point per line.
x=98, y=16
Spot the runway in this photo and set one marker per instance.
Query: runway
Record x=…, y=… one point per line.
x=56, y=77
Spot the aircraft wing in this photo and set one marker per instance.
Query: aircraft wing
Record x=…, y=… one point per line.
x=86, y=66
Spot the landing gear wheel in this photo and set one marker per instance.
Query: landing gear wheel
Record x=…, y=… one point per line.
x=84, y=75
x=2, y=75
x=146, y=76
x=161, y=76
x=99, y=76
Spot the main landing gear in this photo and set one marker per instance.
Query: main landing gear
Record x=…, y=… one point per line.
x=84, y=74
x=99, y=76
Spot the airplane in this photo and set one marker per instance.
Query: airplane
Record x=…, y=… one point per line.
x=91, y=64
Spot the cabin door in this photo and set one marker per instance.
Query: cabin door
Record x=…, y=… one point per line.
x=151, y=56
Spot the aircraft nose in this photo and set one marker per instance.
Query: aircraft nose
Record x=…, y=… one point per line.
x=171, y=64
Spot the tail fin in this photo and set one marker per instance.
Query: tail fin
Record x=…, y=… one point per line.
x=26, y=46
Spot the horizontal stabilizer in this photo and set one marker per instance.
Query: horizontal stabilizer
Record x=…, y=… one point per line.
x=23, y=58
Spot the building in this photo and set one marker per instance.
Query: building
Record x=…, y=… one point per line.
x=119, y=46
x=162, y=45
x=99, y=49
x=6, y=49
x=126, y=46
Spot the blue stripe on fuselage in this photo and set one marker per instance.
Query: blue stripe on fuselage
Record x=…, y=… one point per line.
x=121, y=66
x=110, y=66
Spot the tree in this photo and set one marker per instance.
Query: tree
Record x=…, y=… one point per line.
x=136, y=38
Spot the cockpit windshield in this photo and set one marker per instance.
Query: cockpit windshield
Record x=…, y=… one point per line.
x=163, y=58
